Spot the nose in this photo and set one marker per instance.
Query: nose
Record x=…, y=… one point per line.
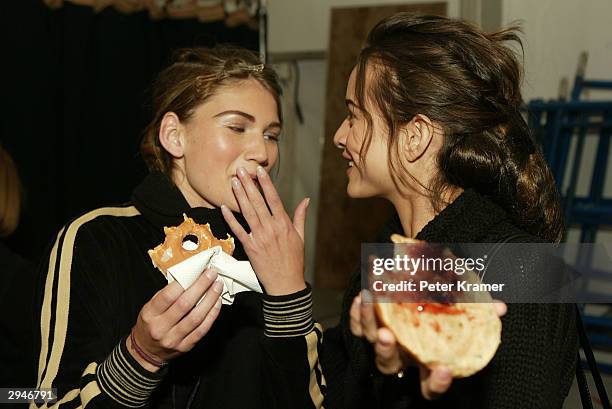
x=340, y=136
x=258, y=152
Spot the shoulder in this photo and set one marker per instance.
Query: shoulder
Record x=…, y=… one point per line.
x=99, y=226
x=102, y=218
x=508, y=232
x=84, y=256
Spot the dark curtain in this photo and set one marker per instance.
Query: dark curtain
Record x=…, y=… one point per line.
x=74, y=103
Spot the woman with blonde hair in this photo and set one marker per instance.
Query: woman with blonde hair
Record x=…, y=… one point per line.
x=114, y=333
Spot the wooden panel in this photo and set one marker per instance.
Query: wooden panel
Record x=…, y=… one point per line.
x=344, y=223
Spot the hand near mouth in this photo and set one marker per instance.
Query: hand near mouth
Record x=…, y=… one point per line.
x=275, y=246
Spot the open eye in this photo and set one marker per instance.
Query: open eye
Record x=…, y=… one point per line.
x=350, y=117
x=271, y=137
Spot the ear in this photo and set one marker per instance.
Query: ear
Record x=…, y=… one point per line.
x=172, y=135
x=416, y=137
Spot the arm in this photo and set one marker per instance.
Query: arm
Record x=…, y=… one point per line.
x=275, y=247
x=79, y=354
x=85, y=353
x=539, y=342
x=535, y=362
x=291, y=340
x=347, y=360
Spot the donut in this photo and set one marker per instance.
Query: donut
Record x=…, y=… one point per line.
x=179, y=244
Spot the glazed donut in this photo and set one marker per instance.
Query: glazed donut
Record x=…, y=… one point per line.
x=174, y=250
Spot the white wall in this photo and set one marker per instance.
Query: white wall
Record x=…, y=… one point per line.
x=303, y=25
x=555, y=32
x=300, y=156
x=310, y=137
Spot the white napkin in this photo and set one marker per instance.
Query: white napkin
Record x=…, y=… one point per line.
x=237, y=276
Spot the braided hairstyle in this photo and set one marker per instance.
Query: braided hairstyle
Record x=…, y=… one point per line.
x=467, y=82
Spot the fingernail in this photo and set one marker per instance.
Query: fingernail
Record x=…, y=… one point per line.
x=261, y=171
x=366, y=296
x=445, y=374
x=235, y=183
x=241, y=171
x=307, y=201
x=211, y=274
x=218, y=286
x=385, y=338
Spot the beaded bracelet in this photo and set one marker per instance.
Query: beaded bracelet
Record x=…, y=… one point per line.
x=143, y=354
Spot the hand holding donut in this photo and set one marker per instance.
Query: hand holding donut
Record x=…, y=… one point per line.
x=275, y=246
x=171, y=323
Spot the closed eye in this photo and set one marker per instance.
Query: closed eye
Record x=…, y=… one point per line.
x=236, y=129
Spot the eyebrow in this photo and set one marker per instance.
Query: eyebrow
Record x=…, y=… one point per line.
x=248, y=117
x=243, y=114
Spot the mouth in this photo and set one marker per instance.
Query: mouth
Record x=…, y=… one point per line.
x=349, y=158
x=254, y=179
x=350, y=166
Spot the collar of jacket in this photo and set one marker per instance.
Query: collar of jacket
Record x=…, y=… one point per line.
x=160, y=202
x=468, y=219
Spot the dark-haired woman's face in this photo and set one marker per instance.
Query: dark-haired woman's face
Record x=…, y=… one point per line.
x=368, y=177
x=237, y=127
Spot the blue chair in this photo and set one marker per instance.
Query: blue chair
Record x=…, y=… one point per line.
x=558, y=124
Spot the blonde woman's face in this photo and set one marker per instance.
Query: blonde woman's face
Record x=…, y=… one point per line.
x=238, y=127
x=367, y=177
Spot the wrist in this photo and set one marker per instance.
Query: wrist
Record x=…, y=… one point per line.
x=288, y=315
x=122, y=378
x=285, y=288
x=137, y=356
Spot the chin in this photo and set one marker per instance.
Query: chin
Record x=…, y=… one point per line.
x=361, y=191
x=233, y=206
x=354, y=192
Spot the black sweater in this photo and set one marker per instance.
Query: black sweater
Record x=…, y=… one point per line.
x=99, y=276
x=532, y=369
x=260, y=353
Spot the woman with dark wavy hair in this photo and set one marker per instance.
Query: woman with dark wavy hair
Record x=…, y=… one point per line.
x=434, y=127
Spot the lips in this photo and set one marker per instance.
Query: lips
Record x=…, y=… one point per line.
x=348, y=157
x=253, y=178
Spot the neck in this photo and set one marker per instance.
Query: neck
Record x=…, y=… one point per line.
x=191, y=196
x=416, y=210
